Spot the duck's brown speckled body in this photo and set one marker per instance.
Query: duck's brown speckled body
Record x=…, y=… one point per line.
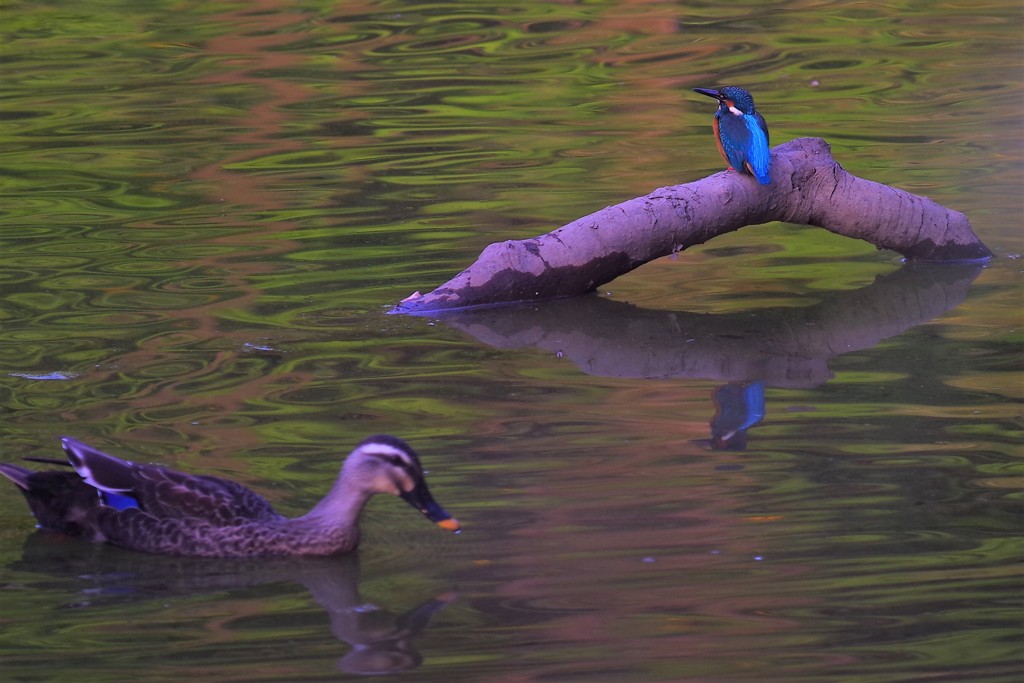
x=158, y=510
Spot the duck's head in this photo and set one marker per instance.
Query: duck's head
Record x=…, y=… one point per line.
x=386, y=464
x=735, y=100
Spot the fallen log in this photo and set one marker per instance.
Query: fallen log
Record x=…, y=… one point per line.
x=808, y=187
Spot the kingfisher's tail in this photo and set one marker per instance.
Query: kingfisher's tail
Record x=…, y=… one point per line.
x=760, y=172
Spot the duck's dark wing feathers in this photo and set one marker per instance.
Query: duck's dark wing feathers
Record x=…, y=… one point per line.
x=165, y=493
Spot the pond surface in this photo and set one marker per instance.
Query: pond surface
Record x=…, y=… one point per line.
x=781, y=456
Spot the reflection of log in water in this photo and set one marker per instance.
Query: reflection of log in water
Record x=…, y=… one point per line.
x=381, y=641
x=808, y=186
x=787, y=347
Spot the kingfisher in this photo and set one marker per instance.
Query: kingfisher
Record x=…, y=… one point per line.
x=740, y=132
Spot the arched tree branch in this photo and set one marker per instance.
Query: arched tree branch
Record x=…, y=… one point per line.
x=808, y=186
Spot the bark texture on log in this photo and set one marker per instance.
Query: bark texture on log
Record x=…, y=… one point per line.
x=808, y=186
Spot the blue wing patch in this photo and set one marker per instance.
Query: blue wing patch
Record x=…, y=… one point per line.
x=118, y=501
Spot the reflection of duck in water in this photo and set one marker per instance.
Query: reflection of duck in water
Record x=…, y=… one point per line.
x=159, y=510
x=380, y=640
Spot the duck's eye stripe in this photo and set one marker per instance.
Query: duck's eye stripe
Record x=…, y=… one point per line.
x=398, y=462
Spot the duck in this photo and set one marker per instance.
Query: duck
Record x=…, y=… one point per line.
x=159, y=510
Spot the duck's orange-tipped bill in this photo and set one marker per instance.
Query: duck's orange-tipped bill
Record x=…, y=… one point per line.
x=421, y=499
x=451, y=524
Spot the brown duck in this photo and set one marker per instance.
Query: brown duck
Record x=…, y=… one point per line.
x=159, y=510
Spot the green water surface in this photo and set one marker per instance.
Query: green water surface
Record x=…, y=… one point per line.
x=206, y=210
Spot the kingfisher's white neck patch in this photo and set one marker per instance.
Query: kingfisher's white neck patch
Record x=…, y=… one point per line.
x=735, y=111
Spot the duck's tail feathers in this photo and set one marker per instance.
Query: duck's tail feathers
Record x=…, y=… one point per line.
x=18, y=475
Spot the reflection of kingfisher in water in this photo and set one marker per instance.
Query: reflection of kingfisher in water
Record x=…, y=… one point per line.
x=740, y=132
x=739, y=406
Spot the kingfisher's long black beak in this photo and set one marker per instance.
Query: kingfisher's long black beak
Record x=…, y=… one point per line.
x=421, y=499
x=709, y=92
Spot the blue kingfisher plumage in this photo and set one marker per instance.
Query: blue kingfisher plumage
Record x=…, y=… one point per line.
x=740, y=132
